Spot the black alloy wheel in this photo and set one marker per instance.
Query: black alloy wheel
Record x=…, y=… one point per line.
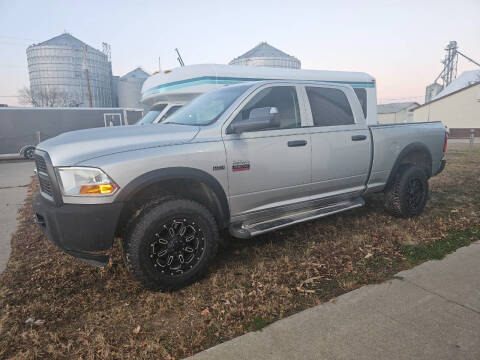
x=415, y=193
x=28, y=153
x=177, y=246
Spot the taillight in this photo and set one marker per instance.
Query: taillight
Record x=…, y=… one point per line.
x=445, y=143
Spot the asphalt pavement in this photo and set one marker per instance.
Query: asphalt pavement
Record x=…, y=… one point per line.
x=429, y=312
x=15, y=176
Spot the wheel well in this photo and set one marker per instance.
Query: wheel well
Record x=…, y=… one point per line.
x=415, y=154
x=419, y=158
x=191, y=189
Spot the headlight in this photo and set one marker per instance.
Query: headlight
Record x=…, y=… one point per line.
x=84, y=181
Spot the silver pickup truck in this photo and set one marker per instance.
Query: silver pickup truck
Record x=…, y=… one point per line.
x=250, y=158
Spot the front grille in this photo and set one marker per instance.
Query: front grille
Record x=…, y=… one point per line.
x=42, y=173
x=45, y=185
x=41, y=164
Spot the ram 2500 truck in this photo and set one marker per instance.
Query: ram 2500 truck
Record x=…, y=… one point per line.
x=250, y=158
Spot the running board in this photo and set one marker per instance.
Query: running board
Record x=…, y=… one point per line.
x=251, y=228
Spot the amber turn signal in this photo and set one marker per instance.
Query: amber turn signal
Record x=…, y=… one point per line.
x=101, y=189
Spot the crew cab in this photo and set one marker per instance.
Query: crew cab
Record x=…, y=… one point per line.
x=248, y=158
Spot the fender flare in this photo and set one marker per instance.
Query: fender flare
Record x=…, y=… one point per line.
x=177, y=173
x=413, y=147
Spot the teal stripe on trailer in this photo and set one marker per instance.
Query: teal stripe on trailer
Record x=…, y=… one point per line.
x=213, y=80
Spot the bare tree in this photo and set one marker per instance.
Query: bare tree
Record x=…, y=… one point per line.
x=50, y=97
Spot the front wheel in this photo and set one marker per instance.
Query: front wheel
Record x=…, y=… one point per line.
x=407, y=195
x=171, y=244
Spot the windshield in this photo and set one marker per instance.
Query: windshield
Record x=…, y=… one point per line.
x=149, y=117
x=208, y=107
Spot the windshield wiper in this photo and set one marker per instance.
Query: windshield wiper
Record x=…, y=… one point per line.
x=176, y=123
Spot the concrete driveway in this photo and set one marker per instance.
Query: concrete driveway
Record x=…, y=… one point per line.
x=15, y=176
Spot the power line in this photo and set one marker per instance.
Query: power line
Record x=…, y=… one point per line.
x=17, y=38
x=401, y=98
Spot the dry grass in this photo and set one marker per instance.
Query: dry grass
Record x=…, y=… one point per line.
x=101, y=313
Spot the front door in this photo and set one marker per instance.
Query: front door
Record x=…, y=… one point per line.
x=268, y=168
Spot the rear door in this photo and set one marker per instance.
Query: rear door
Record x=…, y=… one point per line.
x=341, y=141
x=268, y=168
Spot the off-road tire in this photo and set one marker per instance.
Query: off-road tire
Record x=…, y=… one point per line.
x=138, y=239
x=28, y=152
x=398, y=200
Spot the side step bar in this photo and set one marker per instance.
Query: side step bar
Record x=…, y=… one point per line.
x=251, y=228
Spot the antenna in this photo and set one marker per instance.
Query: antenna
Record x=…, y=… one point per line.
x=179, y=58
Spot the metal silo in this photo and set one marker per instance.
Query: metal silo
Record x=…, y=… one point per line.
x=266, y=55
x=61, y=63
x=129, y=88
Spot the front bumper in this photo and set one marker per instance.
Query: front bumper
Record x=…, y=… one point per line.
x=79, y=230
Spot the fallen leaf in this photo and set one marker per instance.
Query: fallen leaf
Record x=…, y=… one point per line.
x=369, y=255
x=205, y=312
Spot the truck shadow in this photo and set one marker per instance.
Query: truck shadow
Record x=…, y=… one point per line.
x=232, y=246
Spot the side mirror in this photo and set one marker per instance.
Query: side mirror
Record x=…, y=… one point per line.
x=258, y=119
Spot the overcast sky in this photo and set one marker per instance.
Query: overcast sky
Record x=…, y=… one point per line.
x=399, y=42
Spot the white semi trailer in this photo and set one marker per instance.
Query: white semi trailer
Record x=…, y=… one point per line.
x=21, y=129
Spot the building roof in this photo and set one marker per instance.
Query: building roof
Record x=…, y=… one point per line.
x=264, y=50
x=64, y=39
x=447, y=95
x=394, y=107
x=465, y=79
x=138, y=73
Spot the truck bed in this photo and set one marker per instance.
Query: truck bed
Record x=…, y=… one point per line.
x=389, y=140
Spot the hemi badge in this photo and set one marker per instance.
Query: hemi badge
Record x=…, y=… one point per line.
x=218, y=167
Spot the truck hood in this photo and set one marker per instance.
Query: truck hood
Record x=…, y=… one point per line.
x=72, y=147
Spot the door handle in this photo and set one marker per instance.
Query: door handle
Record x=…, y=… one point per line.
x=295, y=143
x=359, y=137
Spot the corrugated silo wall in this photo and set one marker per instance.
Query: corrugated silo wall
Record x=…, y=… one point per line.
x=129, y=93
x=289, y=63
x=61, y=67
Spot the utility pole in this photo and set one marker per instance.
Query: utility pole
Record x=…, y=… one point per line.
x=86, y=75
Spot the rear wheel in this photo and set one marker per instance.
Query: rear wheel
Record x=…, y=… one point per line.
x=28, y=152
x=171, y=244
x=407, y=195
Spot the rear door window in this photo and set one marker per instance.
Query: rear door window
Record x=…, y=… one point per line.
x=330, y=107
x=362, y=97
